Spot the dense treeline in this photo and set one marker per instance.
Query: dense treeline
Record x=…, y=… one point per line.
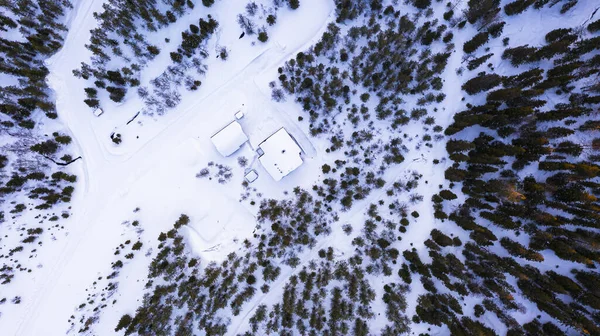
x=39, y=24
x=303, y=308
x=31, y=173
x=122, y=35
x=25, y=157
x=389, y=64
x=364, y=72
x=530, y=178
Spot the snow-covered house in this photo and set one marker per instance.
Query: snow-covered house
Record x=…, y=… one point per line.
x=280, y=154
x=229, y=139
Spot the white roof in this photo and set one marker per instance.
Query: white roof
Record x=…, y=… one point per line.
x=281, y=154
x=251, y=176
x=229, y=139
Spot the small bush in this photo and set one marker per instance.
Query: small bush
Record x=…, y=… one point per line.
x=93, y=103
x=63, y=139
x=448, y=195
x=476, y=42
x=448, y=37
x=347, y=228
x=125, y=320
x=263, y=37
x=594, y=26
x=183, y=220
x=421, y=4
x=116, y=138
x=176, y=57
x=448, y=15
x=517, y=7
x=154, y=50
x=47, y=147
x=29, y=239
x=91, y=92
x=18, y=208
x=223, y=54
x=116, y=93
x=496, y=29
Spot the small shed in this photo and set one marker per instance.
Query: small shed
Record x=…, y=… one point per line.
x=229, y=139
x=98, y=112
x=280, y=154
x=251, y=176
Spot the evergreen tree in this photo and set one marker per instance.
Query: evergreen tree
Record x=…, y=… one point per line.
x=483, y=82
x=476, y=42
x=294, y=4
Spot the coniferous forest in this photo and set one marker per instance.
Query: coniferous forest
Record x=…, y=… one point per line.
x=33, y=178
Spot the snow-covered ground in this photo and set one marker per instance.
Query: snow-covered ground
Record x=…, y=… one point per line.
x=154, y=175
x=155, y=167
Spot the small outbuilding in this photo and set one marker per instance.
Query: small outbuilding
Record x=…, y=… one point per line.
x=229, y=139
x=280, y=154
x=251, y=176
